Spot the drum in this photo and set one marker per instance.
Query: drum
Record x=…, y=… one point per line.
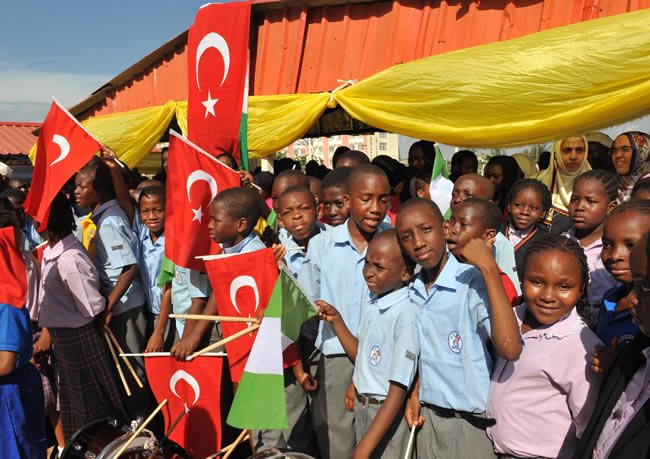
x=103, y=439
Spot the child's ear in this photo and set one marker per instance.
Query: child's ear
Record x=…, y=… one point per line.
x=242, y=224
x=489, y=234
x=612, y=205
x=419, y=193
x=406, y=275
x=346, y=201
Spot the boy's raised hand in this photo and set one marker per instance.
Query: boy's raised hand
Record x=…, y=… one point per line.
x=477, y=252
x=279, y=251
x=412, y=411
x=326, y=311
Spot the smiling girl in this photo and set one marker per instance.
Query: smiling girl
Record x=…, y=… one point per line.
x=543, y=400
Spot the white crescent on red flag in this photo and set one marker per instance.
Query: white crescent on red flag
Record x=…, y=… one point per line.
x=194, y=385
x=217, y=58
x=242, y=285
x=194, y=178
x=63, y=147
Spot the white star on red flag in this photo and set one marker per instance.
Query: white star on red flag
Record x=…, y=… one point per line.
x=209, y=104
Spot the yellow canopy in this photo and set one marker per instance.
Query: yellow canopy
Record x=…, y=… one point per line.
x=543, y=86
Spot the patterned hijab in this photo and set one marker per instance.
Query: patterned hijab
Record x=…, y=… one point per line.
x=639, y=165
x=558, y=179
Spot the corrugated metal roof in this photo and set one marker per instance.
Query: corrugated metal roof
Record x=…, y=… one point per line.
x=306, y=47
x=16, y=137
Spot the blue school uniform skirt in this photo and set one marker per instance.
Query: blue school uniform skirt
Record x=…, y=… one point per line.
x=22, y=416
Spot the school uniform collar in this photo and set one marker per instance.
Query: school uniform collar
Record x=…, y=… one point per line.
x=159, y=241
x=611, y=297
x=239, y=247
x=520, y=234
x=103, y=208
x=341, y=233
x=52, y=253
x=385, y=302
x=571, y=234
x=568, y=325
x=446, y=279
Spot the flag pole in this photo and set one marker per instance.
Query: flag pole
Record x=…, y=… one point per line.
x=242, y=437
x=117, y=364
x=126, y=360
x=173, y=425
x=233, y=337
x=409, y=447
x=212, y=318
x=140, y=429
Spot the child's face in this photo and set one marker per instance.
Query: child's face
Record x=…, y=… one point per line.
x=279, y=185
x=620, y=233
x=589, y=205
x=222, y=227
x=622, y=155
x=367, y=200
x=464, y=225
x=298, y=215
x=384, y=269
x=334, y=205
x=495, y=173
x=573, y=152
x=421, y=235
x=85, y=194
x=417, y=160
x=469, y=186
x=552, y=284
x=525, y=209
x=641, y=279
x=152, y=213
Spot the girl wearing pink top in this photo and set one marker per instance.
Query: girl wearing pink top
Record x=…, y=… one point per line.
x=543, y=400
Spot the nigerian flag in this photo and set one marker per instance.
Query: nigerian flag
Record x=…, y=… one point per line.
x=243, y=124
x=259, y=401
x=441, y=187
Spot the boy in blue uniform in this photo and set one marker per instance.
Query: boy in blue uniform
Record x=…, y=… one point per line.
x=332, y=272
x=233, y=214
x=455, y=325
x=332, y=190
x=385, y=354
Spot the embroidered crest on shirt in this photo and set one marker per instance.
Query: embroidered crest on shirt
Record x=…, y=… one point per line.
x=179, y=278
x=455, y=342
x=375, y=356
x=410, y=356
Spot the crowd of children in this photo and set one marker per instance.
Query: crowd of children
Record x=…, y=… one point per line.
x=488, y=333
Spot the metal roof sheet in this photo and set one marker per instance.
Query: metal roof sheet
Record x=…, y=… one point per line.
x=306, y=47
x=16, y=137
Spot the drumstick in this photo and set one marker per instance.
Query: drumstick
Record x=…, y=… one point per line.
x=117, y=364
x=223, y=450
x=126, y=359
x=243, y=332
x=409, y=447
x=177, y=420
x=215, y=318
x=233, y=445
x=140, y=429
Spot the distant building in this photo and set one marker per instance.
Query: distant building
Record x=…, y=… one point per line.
x=16, y=139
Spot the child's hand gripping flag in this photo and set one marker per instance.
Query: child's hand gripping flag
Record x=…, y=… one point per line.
x=262, y=384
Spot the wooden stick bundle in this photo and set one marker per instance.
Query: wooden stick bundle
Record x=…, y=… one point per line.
x=117, y=364
x=126, y=360
x=220, y=343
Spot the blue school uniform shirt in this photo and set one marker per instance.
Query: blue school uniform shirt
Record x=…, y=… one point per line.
x=332, y=272
x=187, y=284
x=16, y=332
x=618, y=326
x=504, y=255
x=453, y=321
x=150, y=257
x=295, y=258
x=388, y=344
x=249, y=244
x=116, y=246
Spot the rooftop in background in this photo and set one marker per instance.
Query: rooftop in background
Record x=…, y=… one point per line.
x=16, y=137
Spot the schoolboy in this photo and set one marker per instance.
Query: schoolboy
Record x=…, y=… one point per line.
x=233, y=214
x=455, y=325
x=471, y=219
x=284, y=180
x=333, y=189
x=116, y=249
x=332, y=272
x=476, y=186
x=385, y=353
x=352, y=158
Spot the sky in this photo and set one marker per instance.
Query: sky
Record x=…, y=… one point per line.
x=70, y=48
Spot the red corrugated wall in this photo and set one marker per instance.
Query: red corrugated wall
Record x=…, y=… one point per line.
x=302, y=49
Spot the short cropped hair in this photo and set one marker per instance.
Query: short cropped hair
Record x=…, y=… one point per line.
x=296, y=175
x=421, y=202
x=338, y=178
x=298, y=190
x=355, y=155
x=488, y=211
x=154, y=190
x=363, y=171
x=239, y=203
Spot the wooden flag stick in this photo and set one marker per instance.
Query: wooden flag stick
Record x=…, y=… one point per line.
x=233, y=445
x=292, y=249
x=176, y=421
x=215, y=318
x=241, y=333
x=126, y=359
x=140, y=429
x=117, y=364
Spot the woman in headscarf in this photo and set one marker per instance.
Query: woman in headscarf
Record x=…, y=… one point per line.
x=526, y=164
x=568, y=161
x=630, y=156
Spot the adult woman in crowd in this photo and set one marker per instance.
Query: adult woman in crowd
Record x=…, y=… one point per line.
x=568, y=161
x=630, y=158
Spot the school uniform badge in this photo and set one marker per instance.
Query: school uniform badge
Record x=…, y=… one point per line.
x=455, y=342
x=375, y=356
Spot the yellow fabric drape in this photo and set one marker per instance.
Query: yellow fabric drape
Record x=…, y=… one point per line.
x=540, y=87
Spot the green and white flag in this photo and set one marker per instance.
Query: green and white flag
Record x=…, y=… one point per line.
x=441, y=187
x=243, y=124
x=259, y=402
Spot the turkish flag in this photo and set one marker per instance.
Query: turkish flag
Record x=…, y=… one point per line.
x=63, y=147
x=201, y=386
x=193, y=180
x=241, y=284
x=217, y=59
